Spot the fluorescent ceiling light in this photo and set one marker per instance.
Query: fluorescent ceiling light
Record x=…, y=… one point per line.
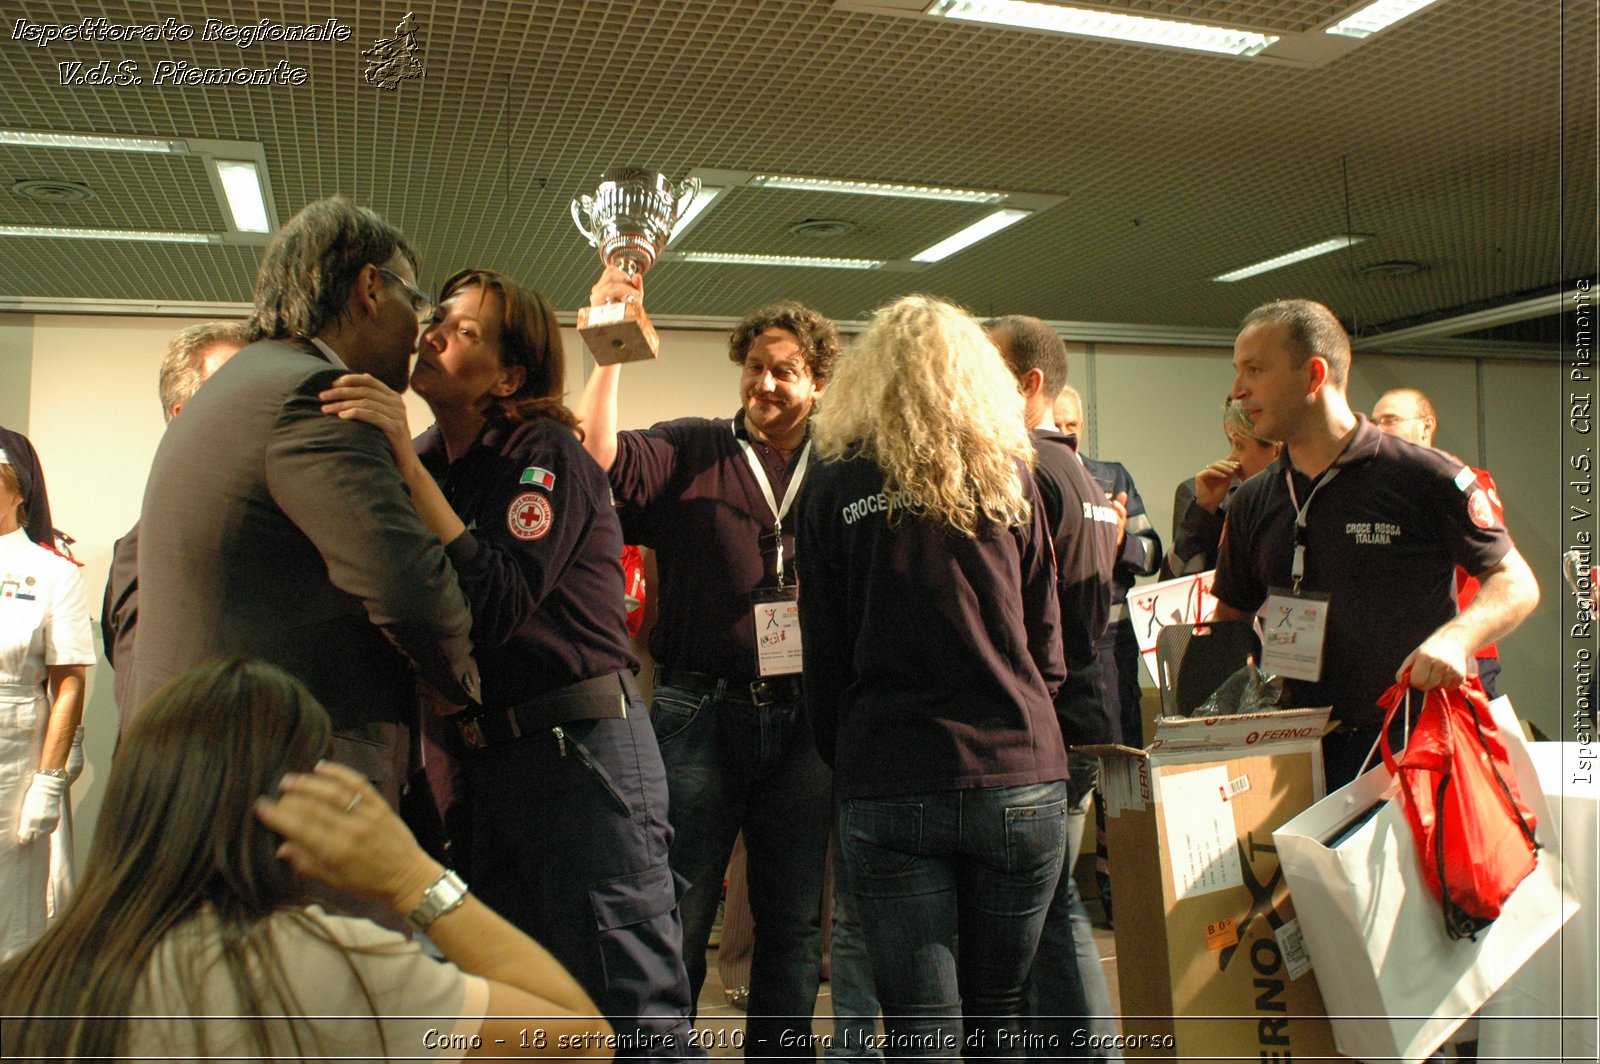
x=981, y=229
x=96, y=143
x=145, y=235
x=1375, y=17
x=1086, y=23
x=876, y=188
x=241, y=182
x=697, y=208
x=1280, y=261
x=775, y=260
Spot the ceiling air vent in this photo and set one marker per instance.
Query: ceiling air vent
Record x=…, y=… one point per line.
x=822, y=228
x=54, y=192
x=1392, y=268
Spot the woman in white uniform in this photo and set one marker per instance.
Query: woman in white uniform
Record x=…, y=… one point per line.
x=44, y=635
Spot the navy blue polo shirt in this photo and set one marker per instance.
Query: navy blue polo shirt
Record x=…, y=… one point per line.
x=1083, y=531
x=1383, y=538
x=685, y=489
x=540, y=562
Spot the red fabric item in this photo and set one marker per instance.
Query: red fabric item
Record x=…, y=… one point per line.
x=1473, y=831
x=633, y=585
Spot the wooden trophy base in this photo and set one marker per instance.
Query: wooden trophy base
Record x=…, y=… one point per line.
x=618, y=332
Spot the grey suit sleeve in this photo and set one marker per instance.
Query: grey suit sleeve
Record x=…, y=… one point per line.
x=337, y=481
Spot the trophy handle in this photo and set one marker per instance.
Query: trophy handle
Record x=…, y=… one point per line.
x=583, y=218
x=687, y=190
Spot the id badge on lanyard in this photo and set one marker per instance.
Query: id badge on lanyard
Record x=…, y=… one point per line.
x=775, y=611
x=1294, y=623
x=1293, y=627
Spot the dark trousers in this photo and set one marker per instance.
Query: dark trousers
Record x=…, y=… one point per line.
x=1344, y=751
x=570, y=842
x=925, y=870
x=734, y=765
x=1118, y=655
x=382, y=753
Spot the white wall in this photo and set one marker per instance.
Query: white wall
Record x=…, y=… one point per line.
x=84, y=389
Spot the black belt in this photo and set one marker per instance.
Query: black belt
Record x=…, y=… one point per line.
x=598, y=698
x=763, y=692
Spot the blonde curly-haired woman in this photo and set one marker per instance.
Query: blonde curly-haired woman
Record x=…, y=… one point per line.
x=932, y=650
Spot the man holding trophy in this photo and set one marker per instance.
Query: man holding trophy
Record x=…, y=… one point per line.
x=713, y=498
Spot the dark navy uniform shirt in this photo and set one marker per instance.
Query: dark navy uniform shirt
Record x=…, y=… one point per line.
x=540, y=562
x=1383, y=539
x=1141, y=547
x=685, y=488
x=1083, y=529
x=931, y=658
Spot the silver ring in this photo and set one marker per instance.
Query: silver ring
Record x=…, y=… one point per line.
x=355, y=800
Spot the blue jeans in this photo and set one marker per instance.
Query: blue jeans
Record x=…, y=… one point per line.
x=855, y=996
x=926, y=869
x=1068, y=998
x=733, y=765
x=570, y=843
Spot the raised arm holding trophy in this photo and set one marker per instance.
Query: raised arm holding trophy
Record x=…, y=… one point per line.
x=629, y=219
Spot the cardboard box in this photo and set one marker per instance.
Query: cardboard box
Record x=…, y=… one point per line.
x=1209, y=955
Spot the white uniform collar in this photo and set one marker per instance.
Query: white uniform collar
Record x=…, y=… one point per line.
x=16, y=542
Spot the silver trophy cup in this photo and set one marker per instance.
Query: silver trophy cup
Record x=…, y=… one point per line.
x=631, y=215
x=629, y=218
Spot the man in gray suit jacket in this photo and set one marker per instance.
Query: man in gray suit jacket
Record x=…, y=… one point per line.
x=271, y=530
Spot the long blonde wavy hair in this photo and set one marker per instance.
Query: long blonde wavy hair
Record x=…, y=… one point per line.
x=925, y=395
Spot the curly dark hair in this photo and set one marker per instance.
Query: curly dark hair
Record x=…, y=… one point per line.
x=818, y=336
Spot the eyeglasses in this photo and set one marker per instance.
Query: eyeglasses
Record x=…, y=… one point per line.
x=421, y=302
x=1389, y=421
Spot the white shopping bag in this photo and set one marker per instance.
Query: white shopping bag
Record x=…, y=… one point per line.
x=1395, y=984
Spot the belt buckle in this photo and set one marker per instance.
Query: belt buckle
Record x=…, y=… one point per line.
x=773, y=689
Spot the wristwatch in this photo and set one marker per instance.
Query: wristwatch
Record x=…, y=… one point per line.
x=445, y=895
x=57, y=773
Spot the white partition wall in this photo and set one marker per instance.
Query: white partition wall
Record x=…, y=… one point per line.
x=1522, y=414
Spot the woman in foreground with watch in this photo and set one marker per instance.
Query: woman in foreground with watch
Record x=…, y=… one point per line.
x=189, y=917
x=45, y=647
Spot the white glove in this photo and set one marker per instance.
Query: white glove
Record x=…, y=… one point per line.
x=41, y=807
x=75, y=756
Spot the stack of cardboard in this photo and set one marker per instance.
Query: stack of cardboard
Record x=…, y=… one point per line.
x=1210, y=959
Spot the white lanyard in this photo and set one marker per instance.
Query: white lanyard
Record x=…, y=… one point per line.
x=778, y=509
x=1298, y=569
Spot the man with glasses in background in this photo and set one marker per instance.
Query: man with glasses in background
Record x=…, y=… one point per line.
x=1409, y=414
x=271, y=530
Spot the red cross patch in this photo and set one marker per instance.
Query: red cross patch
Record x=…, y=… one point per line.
x=1478, y=509
x=530, y=515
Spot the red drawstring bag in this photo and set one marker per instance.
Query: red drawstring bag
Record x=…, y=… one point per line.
x=1474, y=833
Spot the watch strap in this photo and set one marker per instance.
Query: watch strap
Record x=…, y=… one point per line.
x=444, y=895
